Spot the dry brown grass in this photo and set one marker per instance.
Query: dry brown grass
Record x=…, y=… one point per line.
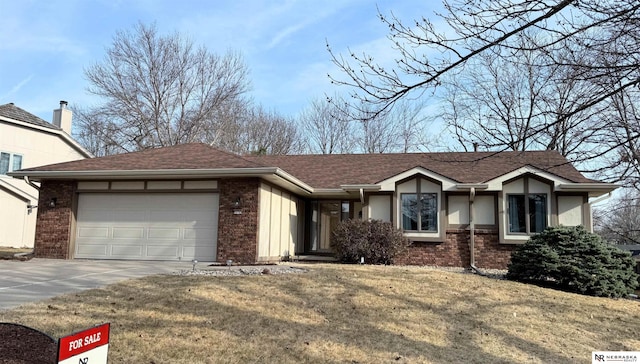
x=341, y=314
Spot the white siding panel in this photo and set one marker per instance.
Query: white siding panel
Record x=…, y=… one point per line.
x=264, y=236
x=484, y=210
x=380, y=207
x=279, y=230
x=570, y=210
x=276, y=222
x=458, y=210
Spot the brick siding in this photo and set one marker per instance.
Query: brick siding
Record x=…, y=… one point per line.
x=238, y=233
x=454, y=251
x=53, y=226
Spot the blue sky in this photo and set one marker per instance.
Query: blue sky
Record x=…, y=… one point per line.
x=45, y=45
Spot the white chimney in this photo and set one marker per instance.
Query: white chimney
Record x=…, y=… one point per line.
x=62, y=117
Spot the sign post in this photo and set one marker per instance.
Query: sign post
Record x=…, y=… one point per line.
x=85, y=347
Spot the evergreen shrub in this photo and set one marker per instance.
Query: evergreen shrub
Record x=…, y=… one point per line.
x=574, y=260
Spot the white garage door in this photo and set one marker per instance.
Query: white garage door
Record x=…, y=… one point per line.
x=160, y=226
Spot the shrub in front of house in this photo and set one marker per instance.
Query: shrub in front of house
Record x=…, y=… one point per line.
x=574, y=260
x=375, y=240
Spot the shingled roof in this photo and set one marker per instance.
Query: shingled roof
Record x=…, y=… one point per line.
x=334, y=170
x=11, y=111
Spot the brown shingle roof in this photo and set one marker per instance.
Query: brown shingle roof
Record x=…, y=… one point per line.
x=183, y=156
x=331, y=171
x=13, y=112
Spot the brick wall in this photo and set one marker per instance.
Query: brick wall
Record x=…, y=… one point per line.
x=454, y=251
x=489, y=252
x=53, y=226
x=238, y=233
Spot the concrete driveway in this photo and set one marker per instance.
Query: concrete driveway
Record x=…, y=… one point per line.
x=39, y=279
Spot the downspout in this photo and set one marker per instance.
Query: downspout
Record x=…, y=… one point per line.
x=26, y=179
x=472, y=237
x=30, y=207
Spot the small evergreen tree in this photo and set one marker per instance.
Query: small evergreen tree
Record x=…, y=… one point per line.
x=375, y=240
x=574, y=260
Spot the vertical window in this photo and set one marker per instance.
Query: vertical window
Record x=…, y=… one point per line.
x=4, y=162
x=419, y=211
x=527, y=213
x=17, y=162
x=10, y=162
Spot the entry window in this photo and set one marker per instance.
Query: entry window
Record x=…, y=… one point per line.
x=419, y=211
x=527, y=213
x=10, y=162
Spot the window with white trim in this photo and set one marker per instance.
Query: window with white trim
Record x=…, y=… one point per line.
x=419, y=211
x=527, y=213
x=10, y=162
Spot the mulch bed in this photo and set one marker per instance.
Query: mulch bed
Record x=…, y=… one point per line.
x=24, y=345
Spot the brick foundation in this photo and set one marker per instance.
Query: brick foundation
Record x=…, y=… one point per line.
x=454, y=251
x=238, y=233
x=53, y=226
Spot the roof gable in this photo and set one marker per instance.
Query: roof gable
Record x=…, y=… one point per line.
x=13, y=112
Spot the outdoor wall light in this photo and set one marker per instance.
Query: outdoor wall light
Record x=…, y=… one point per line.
x=237, y=203
x=53, y=202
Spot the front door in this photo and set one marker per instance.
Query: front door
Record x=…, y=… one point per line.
x=325, y=216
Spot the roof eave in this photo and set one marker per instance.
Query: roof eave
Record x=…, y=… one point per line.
x=594, y=189
x=144, y=173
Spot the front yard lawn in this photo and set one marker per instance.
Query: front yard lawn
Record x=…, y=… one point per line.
x=341, y=314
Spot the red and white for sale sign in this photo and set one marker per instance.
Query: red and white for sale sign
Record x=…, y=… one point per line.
x=85, y=347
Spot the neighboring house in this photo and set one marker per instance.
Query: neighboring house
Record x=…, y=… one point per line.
x=193, y=201
x=27, y=141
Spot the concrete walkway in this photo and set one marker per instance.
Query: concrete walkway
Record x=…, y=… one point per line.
x=38, y=279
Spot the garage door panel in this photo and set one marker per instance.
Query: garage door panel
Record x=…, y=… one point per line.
x=96, y=250
x=166, y=252
x=126, y=251
x=93, y=232
x=200, y=234
x=160, y=233
x=151, y=226
x=128, y=233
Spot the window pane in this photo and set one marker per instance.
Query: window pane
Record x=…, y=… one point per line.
x=537, y=213
x=344, y=215
x=4, y=163
x=517, y=222
x=409, y=211
x=429, y=212
x=17, y=162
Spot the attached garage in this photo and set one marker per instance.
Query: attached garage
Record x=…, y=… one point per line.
x=147, y=226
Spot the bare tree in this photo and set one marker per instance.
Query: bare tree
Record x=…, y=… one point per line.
x=244, y=129
x=591, y=43
x=326, y=127
x=159, y=90
x=619, y=221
